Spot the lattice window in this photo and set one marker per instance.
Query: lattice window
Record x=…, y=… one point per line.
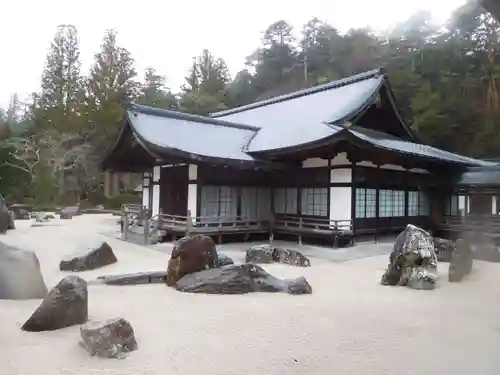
x=314, y=201
x=218, y=201
x=413, y=203
x=423, y=204
x=249, y=203
x=285, y=200
x=360, y=203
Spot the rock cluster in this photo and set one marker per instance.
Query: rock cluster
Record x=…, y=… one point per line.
x=413, y=261
x=269, y=254
x=195, y=267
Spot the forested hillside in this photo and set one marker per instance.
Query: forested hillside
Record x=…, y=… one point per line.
x=446, y=81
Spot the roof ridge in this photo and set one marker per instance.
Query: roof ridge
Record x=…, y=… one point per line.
x=304, y=92
x=153, y=111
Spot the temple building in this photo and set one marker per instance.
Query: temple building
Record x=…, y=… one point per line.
x=335, y=160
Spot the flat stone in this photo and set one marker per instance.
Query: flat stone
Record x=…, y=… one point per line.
x=155, y=277
x=91, y=257
x=240, y=279
x=69, y=211
x=64, y=306
x=20, y=274
x=112, y=338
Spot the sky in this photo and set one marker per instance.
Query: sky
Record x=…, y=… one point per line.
x=167, y=34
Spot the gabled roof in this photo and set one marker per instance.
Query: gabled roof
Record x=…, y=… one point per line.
x=388, y=142
x=193, y=137
x=310, y=115
x=301, y=121
x=481, y=177
x=492, y=6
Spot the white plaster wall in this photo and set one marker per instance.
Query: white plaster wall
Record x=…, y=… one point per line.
x=340, y=197
x=193, y=172
x=314, y=163
x=145, y=192
x=155, y=209
x=340, y=203
x=390, y=167
x=343, y=175
x=341, y=159
x=461, y=202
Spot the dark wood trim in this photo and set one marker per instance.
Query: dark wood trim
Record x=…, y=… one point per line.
x=198, y=199
x=338, y=184
x=238, y=201
x=340, y=166
x=353, y=199
x=377, y=210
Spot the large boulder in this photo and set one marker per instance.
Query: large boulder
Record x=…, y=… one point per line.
x=112, y=338
x=224, y=260
x=191, y=254
x=64, y=306
x=413, y=261
x=89, y=258
x=20, y=275
x=240, y=279
x=461, y=261
x=154, y=277
x=443, y=248
x=269, y=254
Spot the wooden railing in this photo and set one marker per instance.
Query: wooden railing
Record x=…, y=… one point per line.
x=472, y=223
x=314, y=224
x=206, y=224
x=178, y=225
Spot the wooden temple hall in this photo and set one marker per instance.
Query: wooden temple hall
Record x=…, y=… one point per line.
x=334, y=161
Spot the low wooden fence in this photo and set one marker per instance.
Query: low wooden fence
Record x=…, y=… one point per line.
x=136, y=220
x=487, y=224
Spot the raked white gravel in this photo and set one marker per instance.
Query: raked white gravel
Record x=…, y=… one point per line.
x=350, y=324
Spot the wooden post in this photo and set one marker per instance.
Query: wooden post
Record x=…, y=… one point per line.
x=336, y=235
x=125, y=224
x=189, y=223
x=146, y=229
x=300, y=230
x=271, y=229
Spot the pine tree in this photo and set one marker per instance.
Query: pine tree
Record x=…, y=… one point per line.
x=154, y=93
x=61, y=80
